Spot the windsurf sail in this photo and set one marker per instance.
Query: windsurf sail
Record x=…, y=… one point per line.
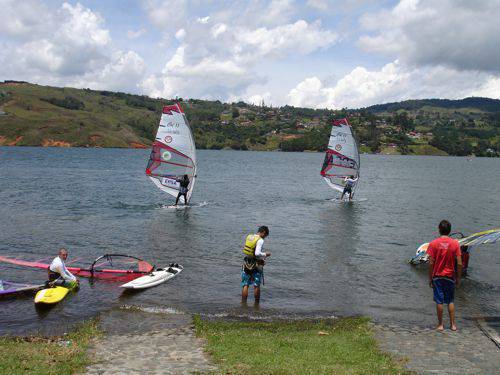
x=174, y=153
x=11, y=288
x=481, y=238
x=342, y=156
x=115, y=267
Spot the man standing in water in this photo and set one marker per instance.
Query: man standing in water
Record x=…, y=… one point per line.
x=252, y=270
x=58, y=271
x=445, y=269
x=184, y=183
x=350, y=181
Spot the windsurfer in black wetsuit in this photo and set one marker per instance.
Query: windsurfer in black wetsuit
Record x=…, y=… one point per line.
x=184, y=183
x=350, y=182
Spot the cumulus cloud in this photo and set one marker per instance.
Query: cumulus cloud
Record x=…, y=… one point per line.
x=393, y=82
x=68, y=46
x=134, y=34
x=217, y=57
x=258, y=99
x=462, y=35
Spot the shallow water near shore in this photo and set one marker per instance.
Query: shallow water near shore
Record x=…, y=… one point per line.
x=329, y=258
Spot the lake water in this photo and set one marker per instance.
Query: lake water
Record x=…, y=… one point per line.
x=329, y=258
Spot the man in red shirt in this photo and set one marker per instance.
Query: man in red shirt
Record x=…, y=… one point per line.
x=444, y=255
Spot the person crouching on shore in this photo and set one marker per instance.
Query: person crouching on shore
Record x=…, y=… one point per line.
x=445, y=269
x=58, y=272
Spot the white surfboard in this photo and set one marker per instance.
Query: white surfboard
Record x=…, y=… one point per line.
x=157, y=277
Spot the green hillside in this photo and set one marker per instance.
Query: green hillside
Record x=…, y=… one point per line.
x=33, y=115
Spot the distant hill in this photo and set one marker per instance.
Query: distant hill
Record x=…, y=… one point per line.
x=482, y=104
x=34, y=115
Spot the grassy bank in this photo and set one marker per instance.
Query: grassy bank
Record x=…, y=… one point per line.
x=344, y=346
x=56, y=355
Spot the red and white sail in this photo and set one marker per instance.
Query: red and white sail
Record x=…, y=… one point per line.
x=342, y=156
x=174, y=152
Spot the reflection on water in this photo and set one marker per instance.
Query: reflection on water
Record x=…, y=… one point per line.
x=329, y=258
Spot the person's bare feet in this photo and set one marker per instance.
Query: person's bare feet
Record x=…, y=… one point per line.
x=453, y=327
x=440, y=328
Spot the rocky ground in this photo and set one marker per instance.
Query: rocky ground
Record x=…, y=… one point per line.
x=137, y=342
x=467, y=351
x=156, y=342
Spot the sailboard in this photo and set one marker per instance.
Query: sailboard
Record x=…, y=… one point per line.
x=342, y=156
x=12, y=288
x=114, y=267
x=481, y=238
x=173, y=154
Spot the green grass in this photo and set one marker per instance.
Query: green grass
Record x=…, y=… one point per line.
x=422, y=149
x=345, y=346
x=56, y=355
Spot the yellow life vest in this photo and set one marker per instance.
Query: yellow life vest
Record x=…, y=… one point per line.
x=251, y=244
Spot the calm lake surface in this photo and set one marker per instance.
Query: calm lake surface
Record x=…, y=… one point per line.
x=329, y=258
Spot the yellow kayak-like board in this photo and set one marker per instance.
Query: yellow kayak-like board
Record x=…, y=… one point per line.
x=51, y=295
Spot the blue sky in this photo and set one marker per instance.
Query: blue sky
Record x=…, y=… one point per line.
x=313, y=53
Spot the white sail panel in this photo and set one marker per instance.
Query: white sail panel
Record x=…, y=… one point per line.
x=173, y=154
x=342, y=156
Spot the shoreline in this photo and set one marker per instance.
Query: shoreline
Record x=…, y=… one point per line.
x=187, y=343
x=145, y=147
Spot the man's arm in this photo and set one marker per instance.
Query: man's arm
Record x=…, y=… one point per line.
x=431, y=270
x=66, y=275
x=258, y=249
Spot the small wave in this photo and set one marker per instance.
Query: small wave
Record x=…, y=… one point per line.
x=264, y=317
x=354, y=200
x=135, y=207
x=183, y=207
x=153, y=310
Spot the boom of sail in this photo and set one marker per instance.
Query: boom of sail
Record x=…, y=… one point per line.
x=342, y=156
x=174, y=153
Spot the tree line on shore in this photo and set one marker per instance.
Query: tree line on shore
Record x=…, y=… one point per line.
x=455, y=127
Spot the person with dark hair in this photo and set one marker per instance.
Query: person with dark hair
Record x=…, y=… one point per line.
x=183, y=190
x=252, y=270
x=445, y=270
x=350, y=182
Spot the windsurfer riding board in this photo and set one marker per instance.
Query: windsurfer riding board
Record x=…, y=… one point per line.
x=350, y=182
x=183, y=190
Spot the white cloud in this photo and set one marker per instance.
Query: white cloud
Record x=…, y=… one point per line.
x=216, y=60
x=122, y=72
x=19, y=19
x=463, y=35
x=258, y=99
x=166, y=14
x=318, y=4
x=134, y=34
x=393, y=82
x=299, y=38
x=218, y=29
x=203, y=20
x=66, y=46
x=180, y=35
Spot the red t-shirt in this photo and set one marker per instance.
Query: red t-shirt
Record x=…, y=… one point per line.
x=444, y=251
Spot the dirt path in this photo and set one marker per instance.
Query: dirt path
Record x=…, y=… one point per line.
x=139, y=342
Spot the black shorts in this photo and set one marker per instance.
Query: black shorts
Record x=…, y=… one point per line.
x=347, y=189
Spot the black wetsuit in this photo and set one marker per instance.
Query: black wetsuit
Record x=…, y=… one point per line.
x=183, y=190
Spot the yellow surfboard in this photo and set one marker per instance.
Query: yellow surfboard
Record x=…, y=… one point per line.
x=50, y=296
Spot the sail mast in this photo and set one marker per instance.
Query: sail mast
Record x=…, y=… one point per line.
x=173, y=154
x=342, y=156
